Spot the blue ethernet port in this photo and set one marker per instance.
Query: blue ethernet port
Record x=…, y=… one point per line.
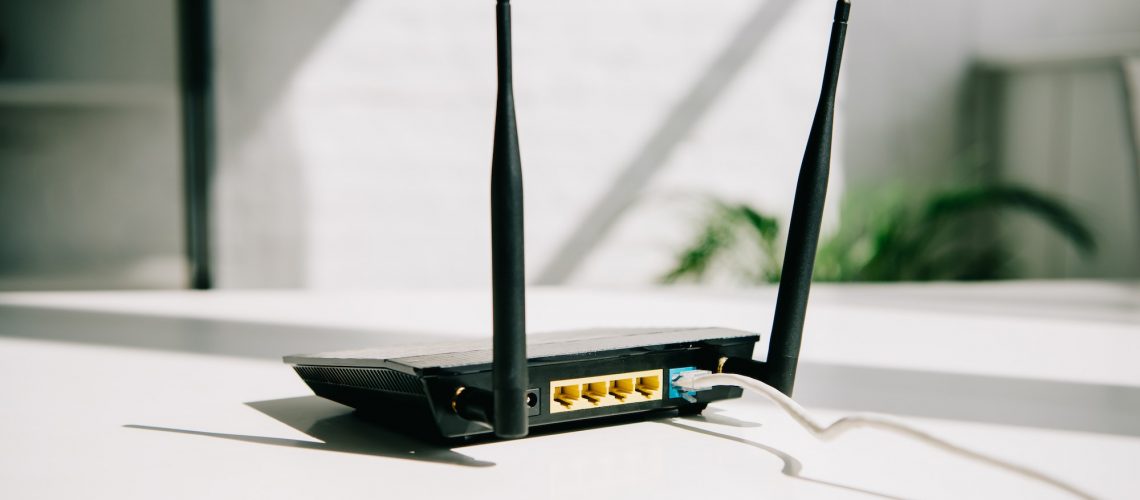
x=673, y=372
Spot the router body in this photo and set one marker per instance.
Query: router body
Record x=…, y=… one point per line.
x=573, y=376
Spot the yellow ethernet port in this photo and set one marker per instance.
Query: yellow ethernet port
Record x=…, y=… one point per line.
x=604, y=390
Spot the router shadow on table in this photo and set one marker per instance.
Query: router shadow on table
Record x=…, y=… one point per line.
x=339, y=429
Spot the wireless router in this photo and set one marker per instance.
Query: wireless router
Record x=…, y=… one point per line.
x=458, y=390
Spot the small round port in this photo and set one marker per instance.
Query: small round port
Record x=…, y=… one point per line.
x=531, y=400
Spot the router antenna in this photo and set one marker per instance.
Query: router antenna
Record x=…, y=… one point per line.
x=807, y=214
x=508, y=286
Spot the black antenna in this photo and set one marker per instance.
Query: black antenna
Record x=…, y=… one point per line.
x=807, y=214
x=199, y=135
x=508, y=288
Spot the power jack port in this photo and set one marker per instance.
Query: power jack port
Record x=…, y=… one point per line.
x=532, y=407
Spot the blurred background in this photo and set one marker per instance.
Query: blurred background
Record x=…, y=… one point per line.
x=661, y=141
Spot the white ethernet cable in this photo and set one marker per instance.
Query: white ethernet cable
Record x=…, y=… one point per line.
x=697, y=380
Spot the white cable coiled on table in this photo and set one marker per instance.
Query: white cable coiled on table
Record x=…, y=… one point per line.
x=701, y=379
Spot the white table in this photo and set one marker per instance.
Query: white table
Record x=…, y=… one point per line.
x=182, y=394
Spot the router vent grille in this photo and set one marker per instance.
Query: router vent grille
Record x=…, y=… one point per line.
x=376, y=379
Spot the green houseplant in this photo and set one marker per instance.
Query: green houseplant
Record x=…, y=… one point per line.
x=888, y=236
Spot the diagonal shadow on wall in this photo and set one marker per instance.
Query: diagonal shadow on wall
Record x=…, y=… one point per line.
x=684, y=116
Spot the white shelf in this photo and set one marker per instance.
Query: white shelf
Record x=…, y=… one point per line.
x=70, y=94
x=1061, y=53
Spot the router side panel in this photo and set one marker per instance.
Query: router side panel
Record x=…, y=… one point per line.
x=372, y=391
x=377, y=379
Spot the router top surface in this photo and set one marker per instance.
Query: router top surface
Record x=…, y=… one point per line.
x=446, y=355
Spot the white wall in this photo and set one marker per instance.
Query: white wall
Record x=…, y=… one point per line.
x=383, y=130
x=356, y=134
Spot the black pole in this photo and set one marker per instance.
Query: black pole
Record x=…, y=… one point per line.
x=807, y=215
x=509, y=373
x=198, y=153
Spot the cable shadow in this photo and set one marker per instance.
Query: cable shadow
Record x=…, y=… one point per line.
x=338, y=429
x=716, y=416
x=792, y=466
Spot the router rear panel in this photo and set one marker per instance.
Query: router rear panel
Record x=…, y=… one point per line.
x=414, y=397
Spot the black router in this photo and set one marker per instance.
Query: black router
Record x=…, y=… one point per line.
x=458, y=390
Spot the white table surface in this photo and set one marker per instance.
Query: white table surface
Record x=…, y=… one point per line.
x=182, y=394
